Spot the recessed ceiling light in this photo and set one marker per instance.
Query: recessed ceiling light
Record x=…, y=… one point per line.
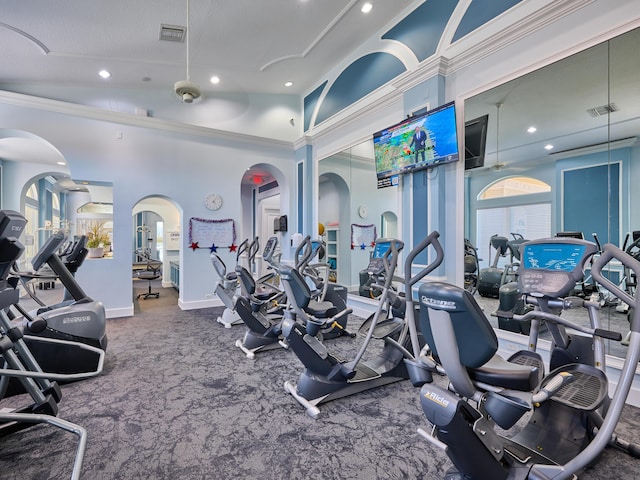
x=548, y=146
x=288, y=84
x=104, y=73
x=532, y=129
x=366, y=7
x=215, y=80
x=61, y=163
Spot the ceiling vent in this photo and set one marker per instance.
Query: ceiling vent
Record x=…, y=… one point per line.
x=602, y=110
x=172, y=33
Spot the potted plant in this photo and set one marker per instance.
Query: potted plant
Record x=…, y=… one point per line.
x=97, y=238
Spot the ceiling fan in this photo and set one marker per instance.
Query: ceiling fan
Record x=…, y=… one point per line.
x=186, y=90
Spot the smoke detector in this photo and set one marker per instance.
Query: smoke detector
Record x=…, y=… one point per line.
x=186, y=90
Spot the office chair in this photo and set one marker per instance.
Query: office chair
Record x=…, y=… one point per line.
x=151, y=272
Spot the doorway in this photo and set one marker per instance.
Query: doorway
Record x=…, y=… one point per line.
x=156, y=248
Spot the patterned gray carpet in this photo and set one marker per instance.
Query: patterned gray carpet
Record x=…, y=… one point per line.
x=179, y=401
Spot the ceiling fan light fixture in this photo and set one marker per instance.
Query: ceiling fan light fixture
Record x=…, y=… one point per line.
x=186, y=90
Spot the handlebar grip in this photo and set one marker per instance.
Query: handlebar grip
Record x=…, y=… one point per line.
x=608, y=334
x=431, y=239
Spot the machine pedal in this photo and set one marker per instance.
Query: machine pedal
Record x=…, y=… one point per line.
x=587, y=391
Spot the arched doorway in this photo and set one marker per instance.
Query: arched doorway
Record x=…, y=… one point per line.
x=263, y=193
x=156, y=248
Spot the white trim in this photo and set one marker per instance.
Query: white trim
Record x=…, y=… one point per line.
x=469, y=49
x=196, y=304
x=93, y=113
x=119, y=312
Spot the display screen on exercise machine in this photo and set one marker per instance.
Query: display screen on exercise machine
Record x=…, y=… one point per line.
x=553, y=267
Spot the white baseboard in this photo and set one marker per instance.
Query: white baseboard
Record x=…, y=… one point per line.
x=119, y=312
x=195, y=304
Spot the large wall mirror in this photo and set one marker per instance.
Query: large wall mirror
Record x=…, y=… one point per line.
x=561, y=155
x=351, y=209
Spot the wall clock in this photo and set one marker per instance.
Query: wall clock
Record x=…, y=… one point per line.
x=362, y=211
x=213, y=201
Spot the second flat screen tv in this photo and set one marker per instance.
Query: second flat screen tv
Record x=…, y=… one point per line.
x=419, y=142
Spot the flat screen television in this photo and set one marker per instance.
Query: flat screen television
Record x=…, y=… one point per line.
x=475, y=142
x=419, y=142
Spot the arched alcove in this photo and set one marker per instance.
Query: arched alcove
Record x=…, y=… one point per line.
x=265, y=197
x=156, y=237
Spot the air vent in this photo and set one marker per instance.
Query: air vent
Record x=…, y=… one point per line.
x=172, y=33
x=602, y=110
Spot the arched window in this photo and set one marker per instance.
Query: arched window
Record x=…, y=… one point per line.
x=500, y=211
x=513, y=186
x=32, y=192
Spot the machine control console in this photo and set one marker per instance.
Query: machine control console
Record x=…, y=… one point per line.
x=552, y=267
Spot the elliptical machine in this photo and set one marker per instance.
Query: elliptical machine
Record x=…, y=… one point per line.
x=326, y=377
x=17, y=361
x=260, y=310
x=471, y=267
x=317, y=275
x=78, y=320
x=509, y=298
x=573, y=419
x=264, y=329
x=373, y=275
x=227, y=288
x=491, y=278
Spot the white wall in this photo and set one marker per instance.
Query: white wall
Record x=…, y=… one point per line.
x=141, y=160
x=267, y=116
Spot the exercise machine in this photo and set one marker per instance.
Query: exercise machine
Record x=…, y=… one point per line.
x=17, y=361
x=322, y=290
x=509, y=298
x=80, y=320
x=373, y=275
x=327, y=377
x=262, y=311
x=83, y=319
x=490, y=279
x=471, y=267
x=260, y=308
x=573, y=418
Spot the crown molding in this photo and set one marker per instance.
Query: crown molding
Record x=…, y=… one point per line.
x=93, y=113
x=600, y=147
x=468, y=50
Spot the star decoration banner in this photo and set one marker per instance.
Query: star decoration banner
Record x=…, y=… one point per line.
x=212, y=234
x=363, y=236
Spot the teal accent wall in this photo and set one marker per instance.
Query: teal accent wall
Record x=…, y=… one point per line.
x=479, y=13
x=310, y=102
x=422, y=29
x=360, y=78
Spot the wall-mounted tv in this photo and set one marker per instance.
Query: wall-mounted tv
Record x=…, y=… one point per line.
x=475, y=142
x=419, y=142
